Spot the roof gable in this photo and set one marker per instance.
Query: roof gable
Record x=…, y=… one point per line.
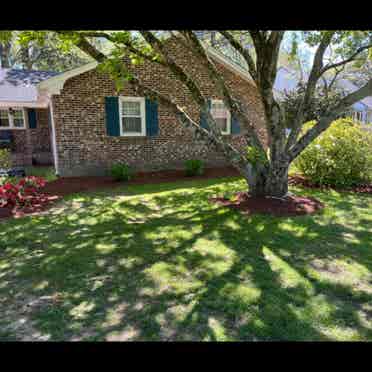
x=20, y=86
x=55, y=84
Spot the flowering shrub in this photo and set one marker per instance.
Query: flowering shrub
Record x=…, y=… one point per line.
x=25, y=193
x=341, y=156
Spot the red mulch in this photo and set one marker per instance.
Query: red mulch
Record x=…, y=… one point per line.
x=297, y=180
x=289, y=206
x=62, y=186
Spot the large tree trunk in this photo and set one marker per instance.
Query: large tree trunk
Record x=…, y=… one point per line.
x=5, y=55
x=277, y=180
x=268, y=182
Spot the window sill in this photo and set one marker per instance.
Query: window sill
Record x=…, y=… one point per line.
x=134, y=135
x=12, y=128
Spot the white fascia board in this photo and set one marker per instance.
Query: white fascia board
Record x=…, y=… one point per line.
x=55, y=84
x=25, y=104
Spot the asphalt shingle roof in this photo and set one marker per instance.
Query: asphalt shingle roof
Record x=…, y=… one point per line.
x=20, y=85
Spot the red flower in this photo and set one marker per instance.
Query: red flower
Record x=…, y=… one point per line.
x=25, y=193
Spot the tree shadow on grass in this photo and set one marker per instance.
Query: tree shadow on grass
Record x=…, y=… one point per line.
x=169, y=265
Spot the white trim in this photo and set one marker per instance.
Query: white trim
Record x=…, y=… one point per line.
x=54, y=139
x=229, y=64
x=55, y=84
x=143, y=116
x=228, y=124
x=24, y=104
x=11, y=118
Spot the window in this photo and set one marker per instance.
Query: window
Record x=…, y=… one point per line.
x=132, y=112
x=221, y=115
x=18, y=119
x=4, y=119
x=12, y=118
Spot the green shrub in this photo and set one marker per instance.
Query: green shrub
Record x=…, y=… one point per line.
x=121, y=172
x=194, y=167
x=5, y=159
x=47, y=173
x=340, y=156
x=7, y=179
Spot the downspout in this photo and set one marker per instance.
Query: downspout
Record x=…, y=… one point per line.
x=54, y=138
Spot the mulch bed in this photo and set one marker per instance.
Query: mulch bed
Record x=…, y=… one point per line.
x=297, y=180
x=289, y=206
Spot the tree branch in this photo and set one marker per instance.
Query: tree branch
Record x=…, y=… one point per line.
x=347, y=60
x=176, y=69
x=128, y=45
x=187, y=80
x=228, y=99
x=310, y=88
x=209, y=137
x=85, y=46
x=326, y=120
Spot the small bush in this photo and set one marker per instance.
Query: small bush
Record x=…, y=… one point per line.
x=24, y=193
x=194, y=167
x=5, y=160
x=121, y=172
x=340, y=156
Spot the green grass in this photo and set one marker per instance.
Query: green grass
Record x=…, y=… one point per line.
x=159, y=262
x=41, y=171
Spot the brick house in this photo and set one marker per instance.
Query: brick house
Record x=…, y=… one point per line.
x=24, y=117
x=85, y=125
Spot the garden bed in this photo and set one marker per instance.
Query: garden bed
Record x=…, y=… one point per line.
x=280, y=207
x=298, y=180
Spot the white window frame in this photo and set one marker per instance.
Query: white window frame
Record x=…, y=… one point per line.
x=228, y=124
x=143, y=116
x=11, y=118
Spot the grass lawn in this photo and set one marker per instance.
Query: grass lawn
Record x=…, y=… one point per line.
x=159, y=262
x=42, y=171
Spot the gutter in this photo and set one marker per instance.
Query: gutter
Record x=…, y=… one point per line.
x=54, y=138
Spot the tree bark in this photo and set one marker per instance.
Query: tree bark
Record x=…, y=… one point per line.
x=5, y=54
x=271, y=182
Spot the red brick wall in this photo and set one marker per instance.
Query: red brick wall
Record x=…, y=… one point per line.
x=33, y=145
x=79, y=112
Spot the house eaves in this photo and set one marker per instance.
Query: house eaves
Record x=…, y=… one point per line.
x=55, y=84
